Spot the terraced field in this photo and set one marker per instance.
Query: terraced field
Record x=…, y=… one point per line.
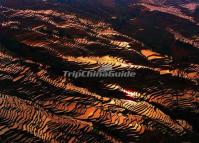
x=38, y=103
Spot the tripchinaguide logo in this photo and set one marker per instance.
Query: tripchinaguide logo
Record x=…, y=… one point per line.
x=105, y=71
